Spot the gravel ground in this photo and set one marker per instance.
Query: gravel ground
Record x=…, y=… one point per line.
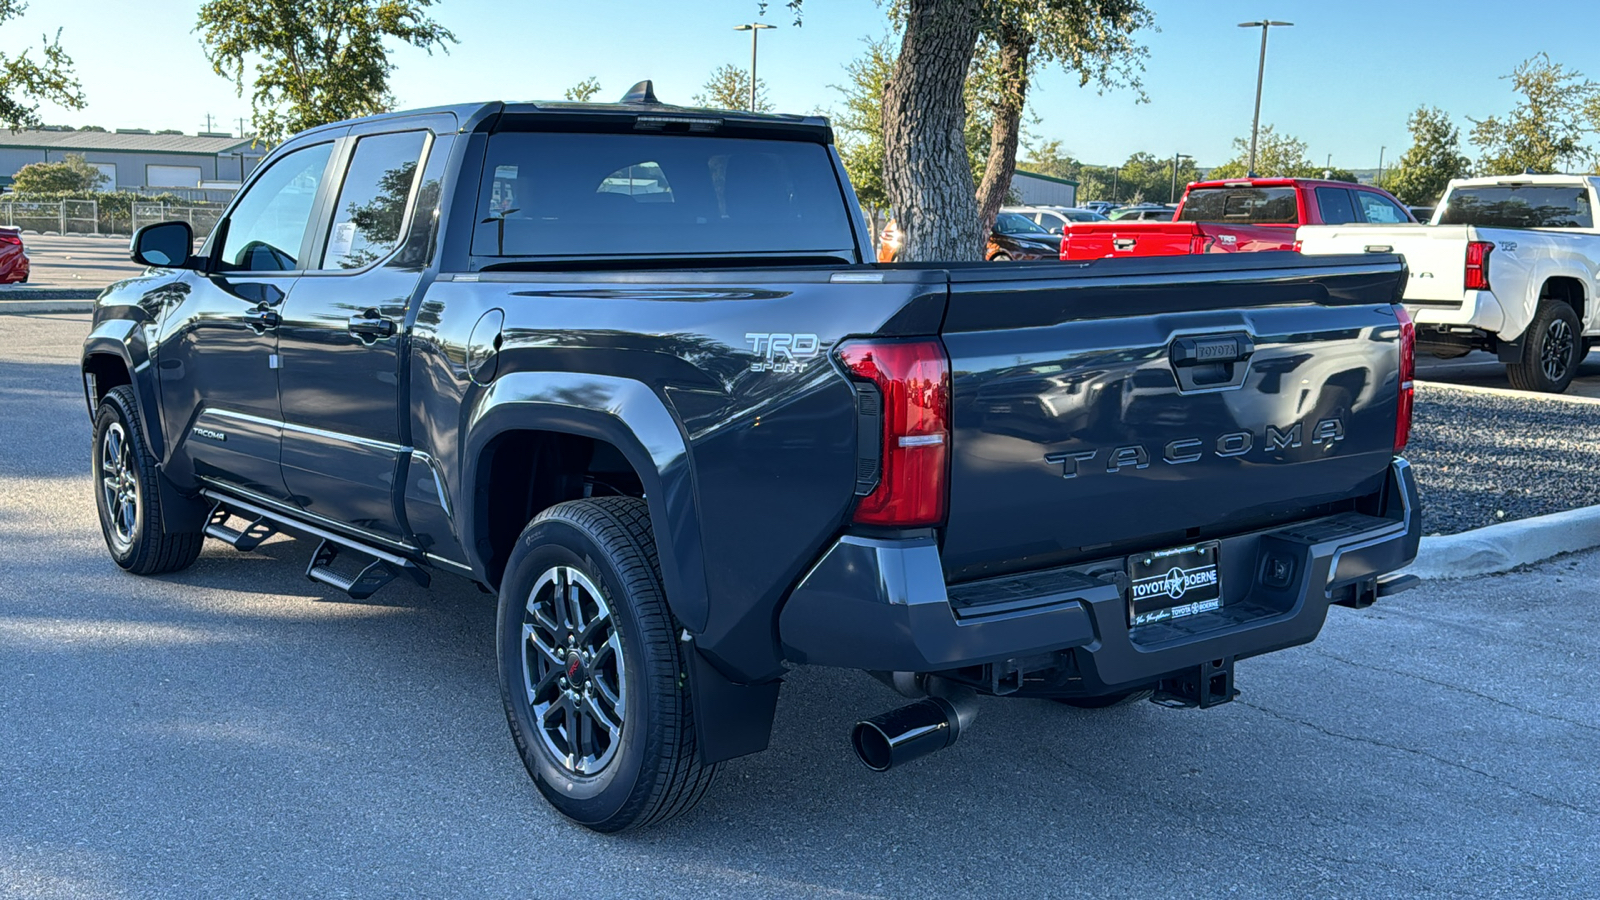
x=1483, y=459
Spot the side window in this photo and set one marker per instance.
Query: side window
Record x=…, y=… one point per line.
x=269, y=223
x=1335, y=206
x=1380, y=209
x=371, y=211
x=422, y=236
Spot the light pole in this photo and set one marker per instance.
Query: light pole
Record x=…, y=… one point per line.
x=1175, y=158
x=1379, y=182
x=1261, y=71
x=755, y=29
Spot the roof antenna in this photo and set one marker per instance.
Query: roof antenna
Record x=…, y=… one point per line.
x=643, y=92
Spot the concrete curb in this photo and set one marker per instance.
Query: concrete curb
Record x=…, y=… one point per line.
x=24, y=299
x=1505, y=392
x=21, y=307
x=1503, y=547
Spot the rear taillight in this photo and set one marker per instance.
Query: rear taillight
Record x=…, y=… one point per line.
x=1478, y=265
x=912, y=383
x=1299, y=246
x=1197, y=244
x=1408, y=374
x=7, y=237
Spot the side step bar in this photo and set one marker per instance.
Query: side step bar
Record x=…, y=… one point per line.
x=382, y=567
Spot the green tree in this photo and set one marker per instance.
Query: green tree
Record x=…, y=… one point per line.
x=1277, y=156
x=26, y=81
x=859, y=125
x=1544, y=132
x=316, y=61
x=1434, y=158
x=729, y=88
x=583, y=91
x=71, y=174
x=1048, y=158
x=1094, y=39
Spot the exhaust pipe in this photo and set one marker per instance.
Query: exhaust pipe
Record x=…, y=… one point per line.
x=911, y=732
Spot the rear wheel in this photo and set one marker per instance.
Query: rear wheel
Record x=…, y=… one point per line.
x=592, y=674
x=1552, y=348
x=128, y=496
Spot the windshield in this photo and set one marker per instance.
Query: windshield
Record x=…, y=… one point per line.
x=550, y=194
x=1015, y=223
x=1519, y=206
x=1241, y=205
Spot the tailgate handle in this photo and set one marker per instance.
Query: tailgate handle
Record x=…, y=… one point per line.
x=1199, y=351
x=1123, y=243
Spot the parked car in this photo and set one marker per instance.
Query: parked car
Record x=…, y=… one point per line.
x=694, y=438
x=1103, y=207
x=1510, y=268
x=1236, y=216
x=1018, y=237
x=1014, y=237
x=1054, y=218
x=1141, y=214
x=14, y=266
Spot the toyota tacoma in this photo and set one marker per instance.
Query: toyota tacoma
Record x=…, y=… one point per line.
x=631, y=367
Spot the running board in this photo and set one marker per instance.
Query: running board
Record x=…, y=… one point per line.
x=382, y=567
x=251, y=537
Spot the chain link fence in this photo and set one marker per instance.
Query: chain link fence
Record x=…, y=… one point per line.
x=52, y=216
x=201, y=218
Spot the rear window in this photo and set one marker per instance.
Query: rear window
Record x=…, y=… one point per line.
x=548, y=194
x=1244, y=206
x=1520, y=206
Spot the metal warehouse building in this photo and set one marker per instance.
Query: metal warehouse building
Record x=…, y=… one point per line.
x=1044, y=190
x=138, y=160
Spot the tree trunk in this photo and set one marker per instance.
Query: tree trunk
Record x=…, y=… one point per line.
x=926, y=173
x=1006, y=129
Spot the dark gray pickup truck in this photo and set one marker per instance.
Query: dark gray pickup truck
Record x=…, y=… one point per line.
x=630, y=366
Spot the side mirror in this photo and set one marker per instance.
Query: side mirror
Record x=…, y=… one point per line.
x=164, y=245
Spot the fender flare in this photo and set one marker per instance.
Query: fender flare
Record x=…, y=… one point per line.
x=627, y=414
x=122, y=339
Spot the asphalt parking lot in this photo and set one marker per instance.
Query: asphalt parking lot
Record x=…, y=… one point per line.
x=235, y=730
x=75, y=261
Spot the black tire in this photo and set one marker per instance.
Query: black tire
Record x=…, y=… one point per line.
x=1106, y=701
x=649, y=769
x=127, y=493
x=1552, y=348
x=1002, y=256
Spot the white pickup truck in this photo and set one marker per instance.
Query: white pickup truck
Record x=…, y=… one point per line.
x=1508, y=265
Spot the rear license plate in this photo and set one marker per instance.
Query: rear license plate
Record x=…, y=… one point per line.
x=1173, y=584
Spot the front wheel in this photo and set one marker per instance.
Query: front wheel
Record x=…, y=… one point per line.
x=1552, y=348
x=128, y=496
x=592, y=674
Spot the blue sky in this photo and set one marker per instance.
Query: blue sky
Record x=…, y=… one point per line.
x=1343, y=79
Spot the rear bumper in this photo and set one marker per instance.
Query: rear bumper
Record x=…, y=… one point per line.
x=1478, y=309
x=883, y=605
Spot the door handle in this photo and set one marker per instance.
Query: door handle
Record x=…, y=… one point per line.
x=370, y=324
x=262, y=318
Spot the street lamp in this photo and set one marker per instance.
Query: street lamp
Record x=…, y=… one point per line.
x=755, y=29
x=1175, y=158
x=1261, y=72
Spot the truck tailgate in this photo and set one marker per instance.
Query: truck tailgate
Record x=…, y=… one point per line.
x=1095, y=409
x=1435, y=254
x=1099, y=240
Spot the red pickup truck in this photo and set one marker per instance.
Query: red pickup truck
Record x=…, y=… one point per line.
x=1236, y=216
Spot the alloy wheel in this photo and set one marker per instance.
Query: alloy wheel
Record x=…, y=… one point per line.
x=119, y=487
x=1555, y=353
x=573, y=670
